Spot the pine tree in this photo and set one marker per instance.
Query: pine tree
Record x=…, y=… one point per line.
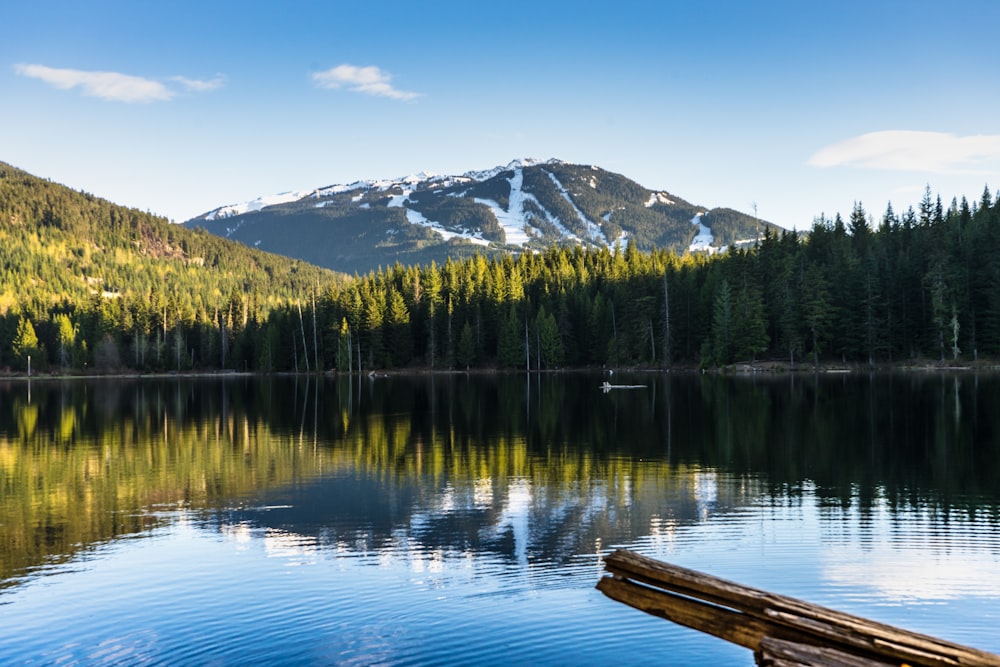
x=466, y=353
x=25, y=346
x=510, y=342
x=66, y=337
x=749, y=328
x=722, y=320
x=344, y=347
x=816, y=314
x=400, y=349
x=549, y=340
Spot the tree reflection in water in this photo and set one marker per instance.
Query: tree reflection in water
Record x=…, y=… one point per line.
x=470, y=464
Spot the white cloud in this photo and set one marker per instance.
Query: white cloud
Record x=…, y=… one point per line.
x=370, y=80
x=106, y=85
x=904, y=150
x=114, y=86
x=197, y=85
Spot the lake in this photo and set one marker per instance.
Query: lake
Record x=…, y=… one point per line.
x=457, y=519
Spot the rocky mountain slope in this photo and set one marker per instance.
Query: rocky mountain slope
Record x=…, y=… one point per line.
x=526, y=204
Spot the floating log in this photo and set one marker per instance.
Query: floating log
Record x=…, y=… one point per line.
x=780, y=630
x=607, y=386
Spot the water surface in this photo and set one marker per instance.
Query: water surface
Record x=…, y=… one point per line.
x=461, y=520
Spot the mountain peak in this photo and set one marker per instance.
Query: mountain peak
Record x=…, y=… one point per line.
x=525, y=205
x=254, y=205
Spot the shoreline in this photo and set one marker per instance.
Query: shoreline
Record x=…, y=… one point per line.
x=745, y=368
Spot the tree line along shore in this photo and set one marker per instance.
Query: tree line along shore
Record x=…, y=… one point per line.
x=89, y=288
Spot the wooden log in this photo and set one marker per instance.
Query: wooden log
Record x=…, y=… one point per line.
x=746, y=615
x=733, y=626
x=781, y=653
x=725, y=624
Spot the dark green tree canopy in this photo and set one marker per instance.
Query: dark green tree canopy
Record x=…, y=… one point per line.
x=86, y=284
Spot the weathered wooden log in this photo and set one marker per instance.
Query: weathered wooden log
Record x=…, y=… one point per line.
x=781, y=653
x=752, y=618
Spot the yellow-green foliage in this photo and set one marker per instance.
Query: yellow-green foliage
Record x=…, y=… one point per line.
x=113, y=268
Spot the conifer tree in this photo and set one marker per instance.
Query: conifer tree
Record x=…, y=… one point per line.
x=66, y=337
x=466, y=354
x=816, y=313
x=749, y=330
x=722, y=320
x=400, y=348
x=549, y=340
x=25, y=346
x=510, y=341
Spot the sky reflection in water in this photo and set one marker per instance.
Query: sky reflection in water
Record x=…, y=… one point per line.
x=405, y=537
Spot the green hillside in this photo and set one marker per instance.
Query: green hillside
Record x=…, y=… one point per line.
x=79, y=270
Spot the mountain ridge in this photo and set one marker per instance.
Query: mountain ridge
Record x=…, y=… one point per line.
x=527, y=204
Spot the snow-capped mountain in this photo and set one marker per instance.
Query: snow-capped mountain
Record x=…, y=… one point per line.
x=524, y=205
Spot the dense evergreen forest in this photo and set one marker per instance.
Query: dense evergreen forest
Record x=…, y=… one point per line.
x=87, y=285
x=921, y=286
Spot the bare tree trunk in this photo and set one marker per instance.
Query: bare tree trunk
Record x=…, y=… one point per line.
x=652, y=341
x=305, y=348
x=315, y=336
x=450, y=357
x=431, y=307
x=538, y=349
x=614, y=328
x=527, y=348
x=666, y=323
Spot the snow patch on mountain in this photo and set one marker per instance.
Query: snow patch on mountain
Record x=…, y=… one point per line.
x=513, y=220
x=257, y=204
x=421, y=177
x=593, y=229
x=550, y=218
x=702, y=241
x=658, y=198
x=417, y=218
x=397, y=201
x=516, y=220
x=361, y=187
x=513, y=165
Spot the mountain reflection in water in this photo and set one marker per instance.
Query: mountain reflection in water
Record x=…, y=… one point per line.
x=875, y=494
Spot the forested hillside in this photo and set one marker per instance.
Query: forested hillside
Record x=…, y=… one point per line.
x=86, y=283
x=924, y=285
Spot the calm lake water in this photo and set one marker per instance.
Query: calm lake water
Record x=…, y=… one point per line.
x=461, y=520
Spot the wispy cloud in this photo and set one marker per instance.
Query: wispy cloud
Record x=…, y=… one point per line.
x=114, y=86
x=369, y=80
x=904, y=150
x=198, y=85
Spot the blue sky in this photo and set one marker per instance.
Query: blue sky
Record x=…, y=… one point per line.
x=801, y=108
